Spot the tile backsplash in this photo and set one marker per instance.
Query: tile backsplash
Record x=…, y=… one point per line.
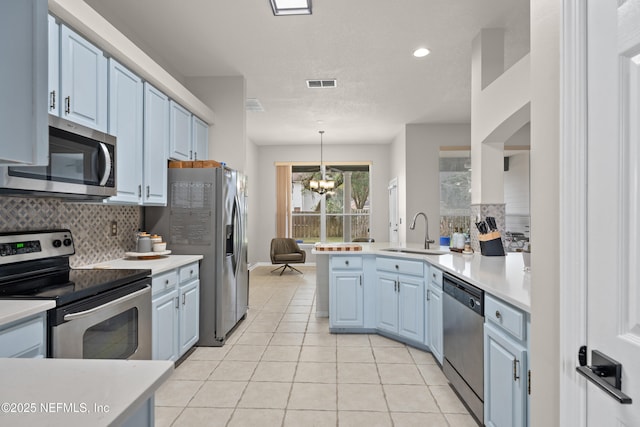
x=90, y=224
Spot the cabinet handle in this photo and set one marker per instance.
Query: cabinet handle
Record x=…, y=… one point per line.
x=498, y=315
x=397, y=266
x=191, y=272
x=346, y=262
x=195, y=155
x=190, y=154
x=177, y=302
x=183, y=298
x=67, y=105
x=52, y=100
x=516, y=377
x=361, y=281
x=148, y=190
x=428, y=294
x=139, y=191
x=166, y=283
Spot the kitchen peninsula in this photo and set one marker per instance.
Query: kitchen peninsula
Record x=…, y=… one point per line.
x=502, y=277
x=472, y=312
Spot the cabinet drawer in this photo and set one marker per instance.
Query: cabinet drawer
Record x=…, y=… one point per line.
x=189, y=272
x=22, y=336
x=435, y=277
x=346, y=262
x=502, y=314
x=163, y=282
x=401, y=266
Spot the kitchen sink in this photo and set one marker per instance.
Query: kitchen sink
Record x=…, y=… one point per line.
x=416, y=251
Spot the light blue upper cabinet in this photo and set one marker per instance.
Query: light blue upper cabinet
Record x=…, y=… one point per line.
x=23, y=86
x=200, y=139
x=83, y=84
x=54, y=66
x=180, y=131
x=156, y=146
x=126, y=97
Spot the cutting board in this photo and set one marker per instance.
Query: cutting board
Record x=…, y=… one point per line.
x=338, y=247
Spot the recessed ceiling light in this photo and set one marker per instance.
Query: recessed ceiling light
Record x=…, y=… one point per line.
x=421, y=52
x=291, y=7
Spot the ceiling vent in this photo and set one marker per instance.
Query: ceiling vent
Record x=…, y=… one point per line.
x=321, y=84
x=254, y=105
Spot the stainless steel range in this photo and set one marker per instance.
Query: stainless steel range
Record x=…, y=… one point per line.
x=99, y=314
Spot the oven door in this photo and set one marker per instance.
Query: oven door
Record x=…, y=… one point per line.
x=112, y=325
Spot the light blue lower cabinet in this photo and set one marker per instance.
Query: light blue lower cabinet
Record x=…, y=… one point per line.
x=165, y=326
x=433, y=320
x=411, y=308
x=505, y=379
x=25, y=338
x=387, y=303
x=347, y=300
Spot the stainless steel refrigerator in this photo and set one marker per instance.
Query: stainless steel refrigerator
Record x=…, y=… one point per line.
x=206, y=214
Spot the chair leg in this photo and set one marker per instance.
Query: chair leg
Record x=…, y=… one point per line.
x=284, y=267
x=281, y=267
x=295, y=269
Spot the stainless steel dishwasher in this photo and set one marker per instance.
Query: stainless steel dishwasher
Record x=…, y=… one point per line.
x=463, y=320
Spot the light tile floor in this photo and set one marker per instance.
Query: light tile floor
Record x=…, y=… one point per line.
x=281, y=367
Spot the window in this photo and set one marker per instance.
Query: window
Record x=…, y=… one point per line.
x=455, y=192
x=340, y=215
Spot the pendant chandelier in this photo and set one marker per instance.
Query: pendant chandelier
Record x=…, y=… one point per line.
x=323, y=185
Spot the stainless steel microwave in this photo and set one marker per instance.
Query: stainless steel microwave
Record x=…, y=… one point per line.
x=81, y=165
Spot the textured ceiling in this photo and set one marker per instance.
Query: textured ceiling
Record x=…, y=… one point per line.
x=365, y=44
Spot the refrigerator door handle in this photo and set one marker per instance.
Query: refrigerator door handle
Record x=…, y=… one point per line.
x=237, y=237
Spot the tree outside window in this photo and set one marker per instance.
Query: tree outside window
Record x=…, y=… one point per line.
x=340, y=220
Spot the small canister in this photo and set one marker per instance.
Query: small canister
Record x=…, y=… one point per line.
x=144, y=243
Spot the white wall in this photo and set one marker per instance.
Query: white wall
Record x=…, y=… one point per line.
x=262, y=196
x=423, y=142
x=545, y=194
x=228, y=136
x=251, y=170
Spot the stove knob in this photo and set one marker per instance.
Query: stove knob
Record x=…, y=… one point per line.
x=67, y=242
x=57, y=243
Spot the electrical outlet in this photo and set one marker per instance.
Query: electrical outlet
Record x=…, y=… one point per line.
x=114, y=228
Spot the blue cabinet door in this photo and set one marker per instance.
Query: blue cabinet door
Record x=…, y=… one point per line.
x=200, y=139
x=156, y=146
x=411, y=307
x=180, y=132
x=165, y=326
x=387, y=303
x=435, y=322
x=505, y=368
x=189, y=315
x=347, y=300
x=23, y=83
x=126, y=123
x=83, y=83
x=54, y=66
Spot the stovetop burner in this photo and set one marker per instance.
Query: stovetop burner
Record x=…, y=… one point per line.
x=71, y=285
x=35, y=265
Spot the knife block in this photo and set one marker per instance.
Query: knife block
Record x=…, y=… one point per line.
x=491, y=244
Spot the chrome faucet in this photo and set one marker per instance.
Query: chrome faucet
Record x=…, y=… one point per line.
x=426, y=232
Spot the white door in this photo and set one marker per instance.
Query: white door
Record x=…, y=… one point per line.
x=613, y=202
x=393, y=211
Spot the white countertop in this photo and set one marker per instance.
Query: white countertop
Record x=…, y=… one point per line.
x=16, y=309
x=502, y=277
x=120, y=386
x=156, y=266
